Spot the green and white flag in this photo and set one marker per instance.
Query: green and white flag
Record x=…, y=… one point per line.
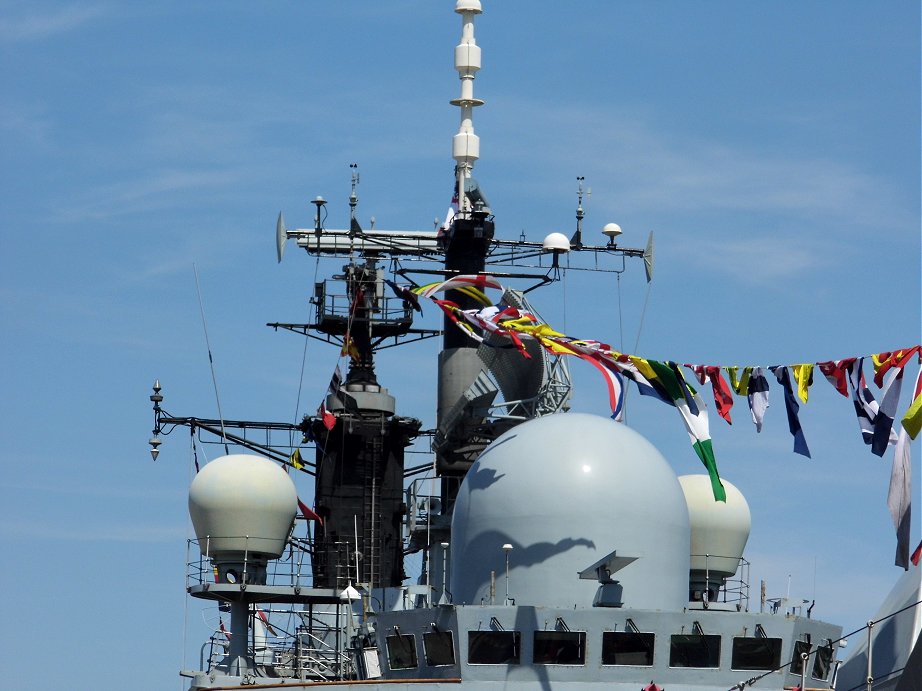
x=694, y=414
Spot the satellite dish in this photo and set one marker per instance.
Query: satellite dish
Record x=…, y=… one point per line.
x=647, y=258
x=281, y=235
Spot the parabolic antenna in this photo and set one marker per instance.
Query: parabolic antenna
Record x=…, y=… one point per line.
x=281, y=235
x=647, y=257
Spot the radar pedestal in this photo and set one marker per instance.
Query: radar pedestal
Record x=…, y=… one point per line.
x=242, y=508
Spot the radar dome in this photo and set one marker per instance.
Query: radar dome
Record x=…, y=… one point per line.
x=564, y=492
x=719, y=532
x=242, y=505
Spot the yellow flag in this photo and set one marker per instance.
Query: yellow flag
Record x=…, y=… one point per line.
x=803, y=375
x=296, y=459
x=739, y=384
x=643, y=367
x=912, y=420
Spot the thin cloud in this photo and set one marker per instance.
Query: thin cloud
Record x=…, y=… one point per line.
x=31, y=25
x=157, y=191
x=666, y=172
x=748, y=261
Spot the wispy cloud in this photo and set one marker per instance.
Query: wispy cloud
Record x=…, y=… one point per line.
x=24, y=124
x=683, y=173
x=29, y=24
x=756, y=261
x=156, y=191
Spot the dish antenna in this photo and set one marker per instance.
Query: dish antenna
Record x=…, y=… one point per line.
x=281, y=235
x=648, y=258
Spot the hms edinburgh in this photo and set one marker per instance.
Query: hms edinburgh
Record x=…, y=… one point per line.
x=558, y=549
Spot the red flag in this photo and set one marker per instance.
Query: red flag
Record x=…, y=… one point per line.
x=723, y=397
x=262, y=615
x=836, y=374
x=884, y=361
x=223, y=630
x=328, y=418
x=916, y=555
x=308, y=513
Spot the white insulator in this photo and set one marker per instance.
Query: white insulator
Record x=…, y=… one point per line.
x=467, y=92
x=465, y=146
x=467, y=58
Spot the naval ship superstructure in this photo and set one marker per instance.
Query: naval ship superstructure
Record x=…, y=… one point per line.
x=557, y=548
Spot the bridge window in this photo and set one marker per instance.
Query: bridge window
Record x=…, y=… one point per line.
x=560, y=647
x=797, y=664
x=440, y=648
x=627, y=648
x=493, y=647
x=756, y=653
x=823, y=662
x=401, y=651
x=694, y=650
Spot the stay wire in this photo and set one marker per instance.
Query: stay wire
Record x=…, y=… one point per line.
x=214, y=379
x=304, y=354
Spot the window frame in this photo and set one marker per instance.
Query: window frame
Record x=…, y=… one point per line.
x=639, y=635
x=516, y=636
x=579, y=637
x=412, y=649
x=704, y=638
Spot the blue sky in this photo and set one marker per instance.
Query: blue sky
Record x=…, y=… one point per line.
x=773, y=148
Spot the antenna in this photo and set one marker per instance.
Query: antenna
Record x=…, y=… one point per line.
x=465, y=145
x=576, y=242
x=281, y=235
x=354, y=227
x=214, y=379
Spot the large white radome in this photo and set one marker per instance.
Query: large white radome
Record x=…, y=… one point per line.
x=719, y=530
x=565, y=491
x=242, y=504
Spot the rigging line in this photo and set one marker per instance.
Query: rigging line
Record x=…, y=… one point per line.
x=621, y=318
x=564, y=282
x=214, y=379
x=625, y=389
x=643, y=313
x=304, y=355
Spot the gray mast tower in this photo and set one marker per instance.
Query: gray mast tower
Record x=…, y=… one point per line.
x=466, y=242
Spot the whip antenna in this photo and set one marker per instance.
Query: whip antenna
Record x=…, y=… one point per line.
x=214, y=379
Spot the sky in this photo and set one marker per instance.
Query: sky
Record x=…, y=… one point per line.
x=772, y=147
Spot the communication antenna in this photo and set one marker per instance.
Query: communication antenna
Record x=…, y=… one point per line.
x=576, y=242
x=214, y=379
x=465, y=145
x=354, y=227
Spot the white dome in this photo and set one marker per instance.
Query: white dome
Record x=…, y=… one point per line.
x=719, y=530
x=565, y=491
x=242, y=504
x=556, y=242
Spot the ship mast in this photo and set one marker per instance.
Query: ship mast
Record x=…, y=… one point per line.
x=466, y=241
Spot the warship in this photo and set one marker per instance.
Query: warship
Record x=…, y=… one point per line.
x=556, y=549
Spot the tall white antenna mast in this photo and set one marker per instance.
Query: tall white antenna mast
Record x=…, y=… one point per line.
x=465, y=145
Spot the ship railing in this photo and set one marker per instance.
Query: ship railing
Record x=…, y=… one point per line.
x=333, y=305
x=422, y=507
x=303, y=656
x=291, y=569
x=734, y=589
